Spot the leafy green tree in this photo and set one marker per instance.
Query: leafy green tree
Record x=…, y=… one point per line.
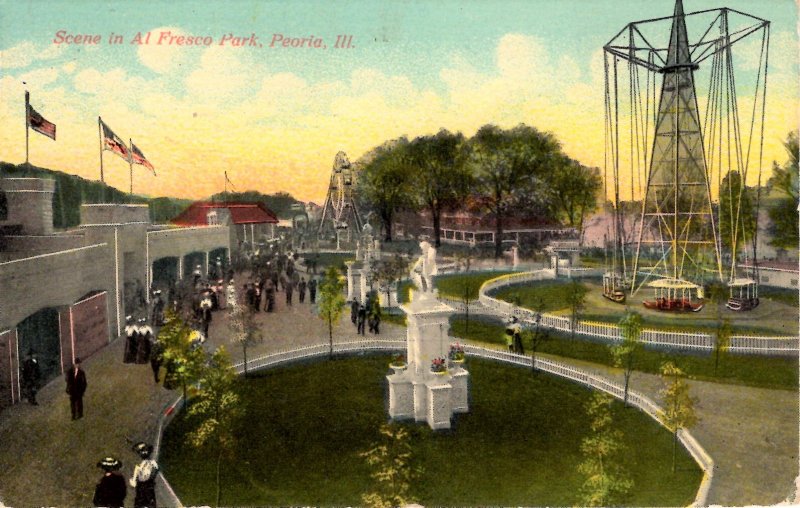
x=385, y=181
x=331, y=300
x=722, y=341
x=388, y=272
x=393, y=472
x=182, y=355
x=606, y=482
x=783, y=215
x=574, y=190
x=539, y=335
x=440, y=178
x=718, y=294
x=737, y=213
x=576, y=300
x=216, y=405
x=245, y=331
x=624, y=353
x=507, y=166
x=679, y=410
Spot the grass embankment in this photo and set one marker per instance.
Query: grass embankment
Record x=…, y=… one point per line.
x=519, y=445
x=460, y=286
x=553, y=294
x=750, y=370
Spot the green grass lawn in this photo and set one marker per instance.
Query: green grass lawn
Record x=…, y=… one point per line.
x=326, y=259
x=520, y=444
x=751, y=370
x=552, y=293
x=457, y=284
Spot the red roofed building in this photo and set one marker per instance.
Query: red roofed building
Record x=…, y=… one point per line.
x=250, y=223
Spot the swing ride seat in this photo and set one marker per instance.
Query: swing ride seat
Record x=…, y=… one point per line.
x=668, y=298
x=742, y=304
x=617, y=295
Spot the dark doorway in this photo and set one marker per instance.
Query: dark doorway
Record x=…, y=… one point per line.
x=190, y=262
x=165, y=272
x=39, y=333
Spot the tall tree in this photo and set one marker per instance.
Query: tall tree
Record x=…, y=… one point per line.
x=331, y=301
x=385, y=181
x=625, y=352
x=245, y=329
x=574, y=190
x=737, y=214
x=507, y=166
x=783, y=215
x=388, y=272
x=183, y=357
x=539, y=335
x=441, y=178
x=576, y=299
x=678, y=404
x=606, y=483
x=216, y=405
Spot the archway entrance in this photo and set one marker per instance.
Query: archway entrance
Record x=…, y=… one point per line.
x=165, y=272
x=39, y=333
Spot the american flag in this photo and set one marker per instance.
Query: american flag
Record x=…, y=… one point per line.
x=113, y=142
x=138, y=158
x=39, y=124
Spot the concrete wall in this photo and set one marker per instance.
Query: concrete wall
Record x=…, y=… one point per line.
x=30, y=204
x=778, y=278
x=26, y=246
x=53, y=280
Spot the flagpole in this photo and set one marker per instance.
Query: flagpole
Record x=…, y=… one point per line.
x=100, y=137
x=27, y=125
x=102, y=178
x=130, y=162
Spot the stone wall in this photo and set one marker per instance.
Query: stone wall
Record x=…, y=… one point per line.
x=53, y=280
x=30, y=204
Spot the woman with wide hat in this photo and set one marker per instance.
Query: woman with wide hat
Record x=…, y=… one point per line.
x=144, y=477
x=111, y=488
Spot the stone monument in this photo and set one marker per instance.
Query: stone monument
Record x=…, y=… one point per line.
x=416, y=391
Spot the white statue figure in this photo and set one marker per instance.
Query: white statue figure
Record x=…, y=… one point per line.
x=425, y=268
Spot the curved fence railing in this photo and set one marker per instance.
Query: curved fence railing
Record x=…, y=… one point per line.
x=169, y=498
x=765, y=345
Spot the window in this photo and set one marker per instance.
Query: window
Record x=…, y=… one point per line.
x=3, y=206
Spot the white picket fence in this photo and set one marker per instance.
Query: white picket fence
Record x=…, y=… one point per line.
x=356, y=346
x=765, y=345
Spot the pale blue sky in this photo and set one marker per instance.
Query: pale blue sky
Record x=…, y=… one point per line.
x=416, y=66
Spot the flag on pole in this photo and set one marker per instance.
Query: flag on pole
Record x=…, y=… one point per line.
x=138, y=158
x=38, y=123
x=113, y=142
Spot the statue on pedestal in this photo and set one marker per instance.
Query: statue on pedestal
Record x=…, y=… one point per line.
x=424, y=269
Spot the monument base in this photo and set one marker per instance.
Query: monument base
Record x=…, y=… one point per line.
x=433, y=398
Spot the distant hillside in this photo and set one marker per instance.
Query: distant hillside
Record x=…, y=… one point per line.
x=72, y=191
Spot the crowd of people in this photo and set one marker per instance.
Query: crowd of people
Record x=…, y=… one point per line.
x=366, y=314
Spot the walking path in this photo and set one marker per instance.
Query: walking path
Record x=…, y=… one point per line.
x=49, y=460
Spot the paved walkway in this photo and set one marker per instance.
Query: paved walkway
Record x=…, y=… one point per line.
x=49, y=460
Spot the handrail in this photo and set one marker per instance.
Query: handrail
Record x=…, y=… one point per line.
x=753, y=344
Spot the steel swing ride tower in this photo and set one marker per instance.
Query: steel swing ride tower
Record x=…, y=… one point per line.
x=678, y=244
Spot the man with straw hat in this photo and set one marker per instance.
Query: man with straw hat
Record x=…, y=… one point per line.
x=111, y=489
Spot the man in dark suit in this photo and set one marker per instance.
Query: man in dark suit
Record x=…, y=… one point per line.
x=76, y=387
